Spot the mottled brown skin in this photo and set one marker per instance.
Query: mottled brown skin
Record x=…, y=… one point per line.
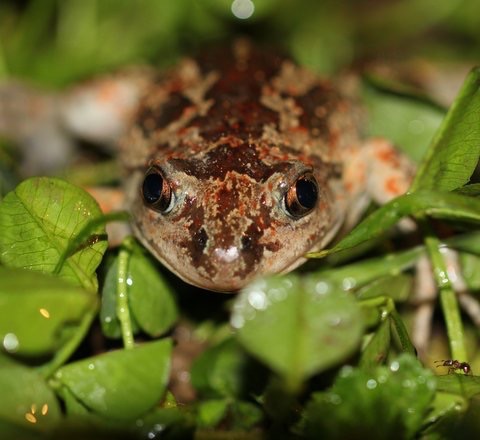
x=232, y=131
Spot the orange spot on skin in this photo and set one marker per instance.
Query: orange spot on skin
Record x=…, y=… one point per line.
x=393, y=186
x=388, y=156
x=107, y=92
x=349, y=186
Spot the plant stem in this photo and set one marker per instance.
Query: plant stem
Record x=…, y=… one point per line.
x=448, y=298
x=123, y=311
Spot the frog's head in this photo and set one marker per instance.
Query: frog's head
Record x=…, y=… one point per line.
x=222, y=218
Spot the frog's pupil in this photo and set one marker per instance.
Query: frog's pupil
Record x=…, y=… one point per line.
x=307, y=193
x=152, y=188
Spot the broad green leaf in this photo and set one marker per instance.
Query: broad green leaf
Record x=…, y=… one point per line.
x=219, y=370
x=39, y=313
x=123, y=384
x=408, y=121
x=27, y=401
x=245, y=414
x=165, y=423
x=150, y=299
x=446, y=404
x=108, y=312
x=454, y=152
x=442, y=205
x=389, y=402
x=39, y=219
x=211, y=412
x=460, y=384
x=296, y=326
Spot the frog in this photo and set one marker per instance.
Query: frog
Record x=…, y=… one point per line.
x=238, y=162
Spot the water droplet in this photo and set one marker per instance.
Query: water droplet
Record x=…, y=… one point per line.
x=242, y=9
x=382, y=378
x=108, y=319
x=322, y=287
x=407, y=383
x=156, y=430
x=237, y=321
x=394, y=366
x=258, y=300
x=44, y=409
x=10, y=342
x=371, y=384
x=346, y=371
x=441, y=276
x=91, y=366
x=276, y=294
x=348, y=283
x=129, y=281
x=334, y=399
x=334, y=320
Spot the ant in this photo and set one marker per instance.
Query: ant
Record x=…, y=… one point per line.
x=453, y=365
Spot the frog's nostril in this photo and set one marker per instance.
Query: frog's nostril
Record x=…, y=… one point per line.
x=200, y=239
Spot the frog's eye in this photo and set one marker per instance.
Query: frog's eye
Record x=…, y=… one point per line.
x=156, y=191
x=302, y=197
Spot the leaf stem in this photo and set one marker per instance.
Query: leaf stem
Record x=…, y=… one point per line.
x=123, y=310
x=448, y=298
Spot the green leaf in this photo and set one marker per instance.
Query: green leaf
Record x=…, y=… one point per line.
x=150, y=298
x=219, y=370
x=395, y=113
x=27, y=401
x=123, y=384
x=462, y=385
x=165, y=423
x=376, y=351
x=108, y=312
x=39, y=219
x=397, y=287
x=39, y=312
x=470, y=265
x=445, y=405
x=442, y=205
x=211, y=412
x=245, y=414
x=389, y=402
x=295, y=326
x=454, y=152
